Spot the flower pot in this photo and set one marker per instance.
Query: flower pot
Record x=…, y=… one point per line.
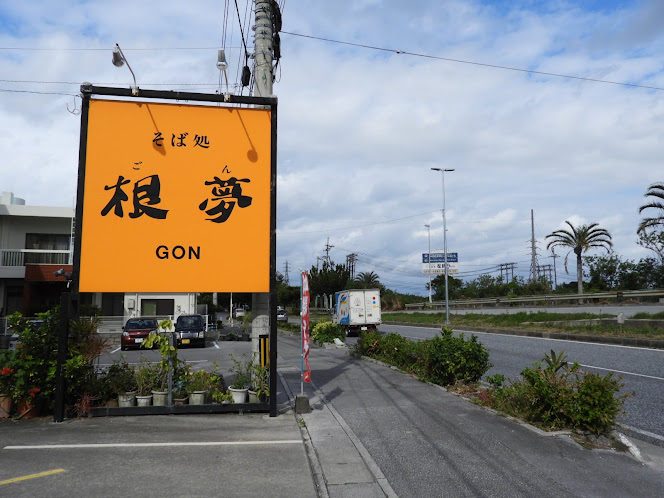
x=197, y=397
x=27, y=408
x=126, y=399
x=5, y=406
x=112, y=403
x=239, y=395
x=144, y=400
x=180, y=401
x=159, y=398
x=253, y=397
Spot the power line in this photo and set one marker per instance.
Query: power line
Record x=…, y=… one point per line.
x=474, y=63
x=360, y=226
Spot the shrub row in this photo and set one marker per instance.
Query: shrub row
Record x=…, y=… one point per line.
x=442, y=360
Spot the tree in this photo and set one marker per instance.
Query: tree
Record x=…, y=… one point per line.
x=653, y=240
x=656, y=191
x=328, y=280
x=454, y=285
x=580, y=239
x=367, y=280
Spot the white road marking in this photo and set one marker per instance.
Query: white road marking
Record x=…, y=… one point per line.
x=621, y=372
x=645, y=433
x=115, y=350
x=215, y=344
x=527, y=337
x=150, y=445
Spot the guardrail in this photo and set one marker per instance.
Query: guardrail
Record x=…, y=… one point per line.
x=543, y=298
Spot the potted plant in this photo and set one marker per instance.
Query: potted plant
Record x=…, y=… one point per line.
x=241, y=371
x=200, y=383
x=197, y=386
x=146, y=377
x=180, y=396
x=160, y=387
x=122, y=381
x=222, y=396
x=261, y=384
x=6, y=383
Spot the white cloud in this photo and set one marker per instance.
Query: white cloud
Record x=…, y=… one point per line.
x=359, y=129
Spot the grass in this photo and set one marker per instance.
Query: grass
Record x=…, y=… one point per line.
x=540, y=321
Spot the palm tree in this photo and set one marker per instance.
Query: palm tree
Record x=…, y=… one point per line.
x=580, y=240
x=367, y=280
x=656, y=190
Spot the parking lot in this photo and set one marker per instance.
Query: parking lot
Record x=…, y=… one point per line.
x=215, y=356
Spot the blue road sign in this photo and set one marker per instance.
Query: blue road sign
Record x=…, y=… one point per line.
x=439, y=257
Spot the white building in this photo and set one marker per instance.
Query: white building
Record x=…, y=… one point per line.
x=35, y=242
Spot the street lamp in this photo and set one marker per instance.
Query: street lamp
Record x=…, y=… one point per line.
x=119, y=60
x=429, y=260
x=447, y=300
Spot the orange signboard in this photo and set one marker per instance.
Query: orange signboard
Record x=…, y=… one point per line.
x=176, y=198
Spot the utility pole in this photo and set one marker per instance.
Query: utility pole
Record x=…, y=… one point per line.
x=327, y=251
x=428, y=227
x=507, y=267
x=555, y=273
x=263, y=57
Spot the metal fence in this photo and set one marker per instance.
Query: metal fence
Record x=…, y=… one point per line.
x=21, y=257
x=549, y=298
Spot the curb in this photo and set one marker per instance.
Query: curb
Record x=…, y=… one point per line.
x=312, y=457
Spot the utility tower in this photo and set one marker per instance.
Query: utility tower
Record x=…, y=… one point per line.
x=286, y=279
x=350, y=264
x=533, y=248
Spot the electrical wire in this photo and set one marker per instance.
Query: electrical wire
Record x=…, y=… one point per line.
x=359, y=226
x=474, y=63
x=38, y=93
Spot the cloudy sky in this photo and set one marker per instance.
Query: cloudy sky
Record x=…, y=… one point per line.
x=462, y=84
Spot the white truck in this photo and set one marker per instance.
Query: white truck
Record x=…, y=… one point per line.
x=357, y=309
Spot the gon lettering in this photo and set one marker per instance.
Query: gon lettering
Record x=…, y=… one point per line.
x=178, y=252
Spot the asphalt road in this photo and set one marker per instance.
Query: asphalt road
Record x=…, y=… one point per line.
x=428, y=442
x=642, y=370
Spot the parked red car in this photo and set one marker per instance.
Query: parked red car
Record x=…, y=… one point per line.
x=135, y=331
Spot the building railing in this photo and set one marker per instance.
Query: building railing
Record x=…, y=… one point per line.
x=21, y=257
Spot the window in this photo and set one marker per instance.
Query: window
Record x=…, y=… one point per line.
x=46, y=242
x=112, y=304
x=157, y=307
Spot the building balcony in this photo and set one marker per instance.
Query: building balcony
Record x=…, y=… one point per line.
x=13, y=261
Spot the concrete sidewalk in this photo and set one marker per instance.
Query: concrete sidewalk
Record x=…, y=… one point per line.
x=340, y=464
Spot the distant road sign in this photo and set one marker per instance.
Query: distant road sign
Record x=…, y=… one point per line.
x=439, y=257
x=439, y=268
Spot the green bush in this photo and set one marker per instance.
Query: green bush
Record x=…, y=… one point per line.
x=326, y=332
x=442, y=360
x=556, y=395
x=447, y=359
